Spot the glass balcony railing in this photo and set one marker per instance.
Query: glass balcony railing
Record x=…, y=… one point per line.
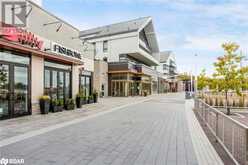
x=130, y=66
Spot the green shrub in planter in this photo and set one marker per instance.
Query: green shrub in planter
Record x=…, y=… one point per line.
x=69, y=104
x=56, y=105
x=84, y=100
x=44, y=104
x=95, y=96
x=90, y=99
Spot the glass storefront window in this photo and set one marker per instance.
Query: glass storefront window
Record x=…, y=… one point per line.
x=58, y=66
x=14, y=58
x=57, y=80
x=54, y=84
x=85, y=85
x=14, y=85
x=61, y=85
x=67, y=85
x=47, y=81
x=4, y=90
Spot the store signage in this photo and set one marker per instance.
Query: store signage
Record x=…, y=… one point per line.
x=21, y=36
x=65, y=51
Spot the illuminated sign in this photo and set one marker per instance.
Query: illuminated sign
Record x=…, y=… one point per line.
x=21, y=36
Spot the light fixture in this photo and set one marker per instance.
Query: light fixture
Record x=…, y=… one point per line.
x=52, y=23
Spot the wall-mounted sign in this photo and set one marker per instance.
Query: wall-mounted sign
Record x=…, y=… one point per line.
x=21, y=36
x=56, y=48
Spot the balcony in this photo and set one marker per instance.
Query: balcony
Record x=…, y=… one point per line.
x=145, y=70
x=130, y=67
x=122, y=66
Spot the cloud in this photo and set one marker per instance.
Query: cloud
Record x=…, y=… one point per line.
x=184, y=26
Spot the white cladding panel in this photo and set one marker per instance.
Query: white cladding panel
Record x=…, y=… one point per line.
x=117, y=47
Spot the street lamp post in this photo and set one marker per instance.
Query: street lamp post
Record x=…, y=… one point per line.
x=196, y=73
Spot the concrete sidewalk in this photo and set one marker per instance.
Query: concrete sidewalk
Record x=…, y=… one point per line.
x=18, y=126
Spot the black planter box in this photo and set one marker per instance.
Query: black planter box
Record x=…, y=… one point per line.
x=79, y=102
x=44, y=106
x=90, y=101
x=95, y=98
x=83, y=102
x=55, y=108
x=70, y=107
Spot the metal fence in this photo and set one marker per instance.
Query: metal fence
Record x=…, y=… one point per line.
x=231, y=134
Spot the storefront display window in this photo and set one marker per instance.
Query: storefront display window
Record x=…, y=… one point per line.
x=9, y=56
x=57, y=80
x=85, y=83
x=14, y=84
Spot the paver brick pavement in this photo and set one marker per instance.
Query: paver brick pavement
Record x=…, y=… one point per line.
x=150, y=133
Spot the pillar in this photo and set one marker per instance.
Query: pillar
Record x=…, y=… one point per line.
x=37, y=82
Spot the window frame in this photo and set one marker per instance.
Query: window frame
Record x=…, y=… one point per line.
x=105, y=46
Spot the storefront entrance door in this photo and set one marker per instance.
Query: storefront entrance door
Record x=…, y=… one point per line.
x=14, y=90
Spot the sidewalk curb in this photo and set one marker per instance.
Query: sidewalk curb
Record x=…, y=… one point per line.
x=30, y=134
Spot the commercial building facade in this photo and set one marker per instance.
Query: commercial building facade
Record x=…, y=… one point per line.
x=168, y=68
x=129, y=51
x=44, y=57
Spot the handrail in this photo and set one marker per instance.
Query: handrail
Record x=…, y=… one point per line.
x=230, y=133
x=226, y=116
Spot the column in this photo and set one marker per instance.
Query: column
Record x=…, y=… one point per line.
x=37, y=82
x=75, y=80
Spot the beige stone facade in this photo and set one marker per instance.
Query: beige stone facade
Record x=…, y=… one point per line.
x=101, y=77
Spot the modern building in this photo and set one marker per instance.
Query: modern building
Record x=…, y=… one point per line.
x=45, y=56
x=125, y=55
x=168, y=68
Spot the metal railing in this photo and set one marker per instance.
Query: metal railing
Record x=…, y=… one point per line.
x=231, y=134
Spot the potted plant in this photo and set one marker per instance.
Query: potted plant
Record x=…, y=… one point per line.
x=90, y=99
x=145, y=93
x=95, y=96
x=60, y=105
x=79, y=100
x=53, y=105
x=44, y=104
x=84, y=100
x=56, y=105
x=69, y=104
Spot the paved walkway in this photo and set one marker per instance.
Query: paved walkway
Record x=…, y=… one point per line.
x=149, y=131
x=19, y=126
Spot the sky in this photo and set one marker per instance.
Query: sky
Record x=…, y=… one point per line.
x=193, y=29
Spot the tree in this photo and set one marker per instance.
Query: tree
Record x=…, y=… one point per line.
x=184, y=77
x=202, y=80
x=227, y=71
x=244, y=77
